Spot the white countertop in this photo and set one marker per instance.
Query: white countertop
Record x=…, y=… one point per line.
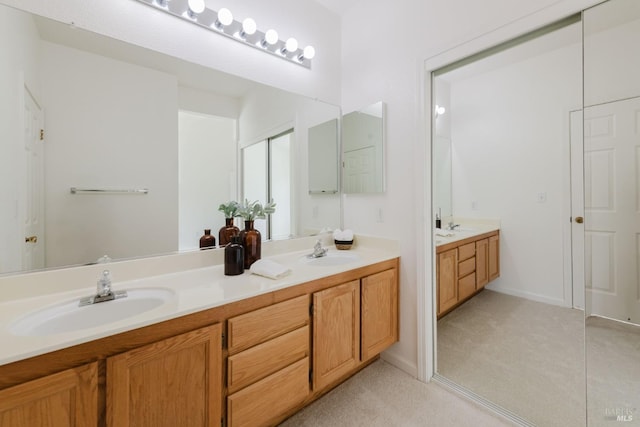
x=195, y=290
x=467, y=228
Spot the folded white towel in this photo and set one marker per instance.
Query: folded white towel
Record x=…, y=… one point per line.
x=268, y=268
x=442, y=233
x=346, y=235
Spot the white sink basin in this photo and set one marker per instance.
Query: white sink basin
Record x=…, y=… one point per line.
x=68, y=316
x=331, y=258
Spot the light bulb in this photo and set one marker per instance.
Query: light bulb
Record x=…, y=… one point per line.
x=196, y=6
x=249, y=26
x=291, y=45
x=439, y=110
x=225, y=17
x=309, y=52
x=270, y=37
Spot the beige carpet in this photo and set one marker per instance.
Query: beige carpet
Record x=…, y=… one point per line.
x=383, y=396
x=613, y=373
x=524, y=356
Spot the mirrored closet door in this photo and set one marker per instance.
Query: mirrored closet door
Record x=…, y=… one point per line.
x=612, y=211
x=513, y=338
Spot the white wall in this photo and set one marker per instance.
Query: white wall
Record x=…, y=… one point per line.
x=207, y=174
x=137, y=23
x=19, y=66
x=96, y=110
x=510, y=139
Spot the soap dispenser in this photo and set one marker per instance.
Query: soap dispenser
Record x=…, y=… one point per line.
x=438, y=219
x=234, y=257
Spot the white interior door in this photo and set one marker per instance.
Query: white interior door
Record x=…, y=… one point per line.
x=32, y=197
x=359, y=170
x=612, y=206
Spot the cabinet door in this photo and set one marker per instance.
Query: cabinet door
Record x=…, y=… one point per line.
x=336, y=332
x=494, y=257
x=482, y=263
x=379, y=308
x=173, y=382
x=447, y=280
x=68, y=398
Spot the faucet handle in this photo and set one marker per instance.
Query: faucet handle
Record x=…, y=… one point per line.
x=104, y=283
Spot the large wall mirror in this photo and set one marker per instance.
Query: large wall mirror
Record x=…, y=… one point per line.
x=162, y=136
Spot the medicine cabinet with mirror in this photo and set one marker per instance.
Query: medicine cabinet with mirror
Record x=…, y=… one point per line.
x=363, y=150
x=118, y=117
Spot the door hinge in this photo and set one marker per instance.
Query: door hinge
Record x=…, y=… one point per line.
x=222, y=422
x=310, y=375
x=224, y=340
x=311, y=310
x=41, y=134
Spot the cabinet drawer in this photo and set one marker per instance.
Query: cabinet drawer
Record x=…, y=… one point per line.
x=264, y=402
x=466, y=251
x=467, y=266
x=466, y=286
x=262, y=325
x=260, y=361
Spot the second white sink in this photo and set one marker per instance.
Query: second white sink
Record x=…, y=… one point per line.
x=68, y=316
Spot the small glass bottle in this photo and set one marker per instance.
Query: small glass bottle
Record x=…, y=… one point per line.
x=207, y=241
x=234, y=257
x=225, y=233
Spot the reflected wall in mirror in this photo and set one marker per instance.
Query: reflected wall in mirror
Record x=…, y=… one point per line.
x=116, y=116
x=363, y=140
x=611, y=220
x=324, y=157
x=517, y=343
x=441, y=153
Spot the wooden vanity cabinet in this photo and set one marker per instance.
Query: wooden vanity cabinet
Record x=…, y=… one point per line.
x=176, y=381
x=67, y=398
x=283, y=350
x=464, y=268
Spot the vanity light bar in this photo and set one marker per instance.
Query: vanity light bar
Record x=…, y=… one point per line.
x=246, y=32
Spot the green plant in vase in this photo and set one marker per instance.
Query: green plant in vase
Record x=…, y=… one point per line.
x=250, y=237
x=230, y=209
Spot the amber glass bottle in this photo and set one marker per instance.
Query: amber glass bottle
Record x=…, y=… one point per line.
x=252, y=243
x=207, y=241
x=225, y=233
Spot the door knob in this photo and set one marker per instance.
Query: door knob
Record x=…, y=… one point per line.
x=579, y=219
x=31, y=239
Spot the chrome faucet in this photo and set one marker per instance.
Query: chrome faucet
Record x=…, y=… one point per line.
x=103, y=291
x=318, y=250
x=452, y=226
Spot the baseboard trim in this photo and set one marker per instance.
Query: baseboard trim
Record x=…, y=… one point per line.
x=527, y=295
x=400, y=363
x=476, y=398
